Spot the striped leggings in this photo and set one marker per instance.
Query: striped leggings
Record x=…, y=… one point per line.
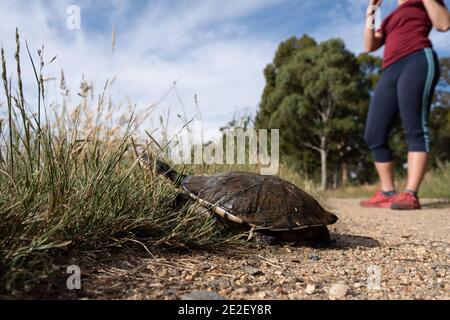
x=405, y=87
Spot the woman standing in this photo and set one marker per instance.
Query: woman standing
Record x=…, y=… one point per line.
x=410, y=73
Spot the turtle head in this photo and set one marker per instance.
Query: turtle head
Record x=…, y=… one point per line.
x=318, y=214
x=163, y=168
x=332, y=218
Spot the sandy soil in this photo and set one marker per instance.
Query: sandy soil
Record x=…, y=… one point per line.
x=375, y=254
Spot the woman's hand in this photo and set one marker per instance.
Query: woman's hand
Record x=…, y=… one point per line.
x=373, y=6
x=375, y=2
x=372, y=40
x=438, y=13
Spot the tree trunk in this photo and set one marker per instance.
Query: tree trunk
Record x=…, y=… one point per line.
x=336, y=177
x=344, y=174
x=323, y=163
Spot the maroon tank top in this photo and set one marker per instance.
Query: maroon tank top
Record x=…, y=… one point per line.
x=405, y=30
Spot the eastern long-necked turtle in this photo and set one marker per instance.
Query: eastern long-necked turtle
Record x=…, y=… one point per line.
x=268, y=204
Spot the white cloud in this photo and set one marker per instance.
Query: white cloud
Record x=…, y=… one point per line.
x=441, y=41
x=163, y=43
x=206, y=44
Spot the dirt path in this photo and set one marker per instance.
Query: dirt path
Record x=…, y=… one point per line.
x=409, y=250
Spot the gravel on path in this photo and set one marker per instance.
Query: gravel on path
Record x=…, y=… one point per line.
x=375, y=254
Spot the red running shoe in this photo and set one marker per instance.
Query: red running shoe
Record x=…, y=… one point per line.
x=379, y=200
x=405, y=201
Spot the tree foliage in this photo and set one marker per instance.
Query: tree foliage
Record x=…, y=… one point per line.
x=318, y=94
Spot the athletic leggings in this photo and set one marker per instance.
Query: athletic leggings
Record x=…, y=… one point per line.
x=405, y=87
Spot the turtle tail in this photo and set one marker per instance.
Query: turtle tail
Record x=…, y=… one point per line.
x=164, y=169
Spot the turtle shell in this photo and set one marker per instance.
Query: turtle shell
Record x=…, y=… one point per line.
x=261, y=201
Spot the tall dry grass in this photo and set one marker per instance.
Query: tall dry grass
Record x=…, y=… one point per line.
x=70, y=178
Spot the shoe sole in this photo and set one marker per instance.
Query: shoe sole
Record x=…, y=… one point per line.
x=394, y=207
x=383, y=206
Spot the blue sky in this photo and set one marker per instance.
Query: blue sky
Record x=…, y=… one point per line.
x=215, y=49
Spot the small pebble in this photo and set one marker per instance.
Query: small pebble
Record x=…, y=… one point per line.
x=222, y=283
x=253, y=271
x=314, y=256
x=338, y=290
x=421, y=251
x=242, y=290
x=310, y=289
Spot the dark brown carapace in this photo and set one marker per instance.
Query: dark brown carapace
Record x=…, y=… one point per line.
x=268, y=204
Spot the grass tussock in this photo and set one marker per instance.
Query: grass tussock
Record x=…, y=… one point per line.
x=437, y=183
x=73, y=180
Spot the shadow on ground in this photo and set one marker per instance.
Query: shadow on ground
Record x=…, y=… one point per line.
x=439, y=204
x=347, y=241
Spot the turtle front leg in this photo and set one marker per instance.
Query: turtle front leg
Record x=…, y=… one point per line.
x=269, y=240
x=181, y=200
x=321, y=234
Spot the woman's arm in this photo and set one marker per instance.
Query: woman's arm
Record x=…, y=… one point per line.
x=373, y=40
x=439, y=15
